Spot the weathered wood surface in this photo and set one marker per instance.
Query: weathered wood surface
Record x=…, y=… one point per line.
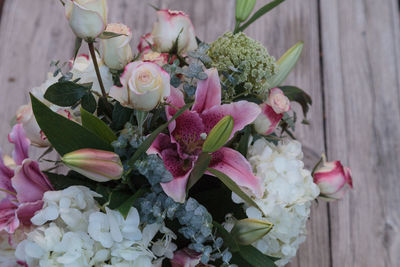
x=356, y=82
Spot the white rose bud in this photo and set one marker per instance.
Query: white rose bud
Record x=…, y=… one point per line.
x=87, y=18
x=144, y=86
x=172, y=26
x=116, y=51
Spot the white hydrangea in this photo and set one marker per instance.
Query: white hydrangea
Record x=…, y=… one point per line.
x=289, y=190
x=73, y=232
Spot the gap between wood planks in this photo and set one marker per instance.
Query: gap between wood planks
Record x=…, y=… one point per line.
x=1, y=7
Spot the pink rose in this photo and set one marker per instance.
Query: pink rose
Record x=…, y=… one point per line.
x=22, y=188
x=278, y=101
x=333, y=180
x=172, y=26
x=145, y=43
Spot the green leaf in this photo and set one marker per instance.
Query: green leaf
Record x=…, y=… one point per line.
x=65, y=135
x=109, y=35
x=262, y=11
x=128, y=203
x=89, y=103
x=97, y=126
x=298, y=95
x=233, y=187
x=255, y=257
x=65, y=93
x=150, y=139
x=199, y=169
x=286, y=64
x=60, y=182
x=78, y=43
x=120, y=116
x=244, y=141
x=219, y=135
x=227, y=237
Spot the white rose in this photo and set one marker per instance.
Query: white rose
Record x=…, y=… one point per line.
x=144, y=86
x=116, y=51
x=83, y=68
x=87, y=18
x=173, y=25
x=278, y=101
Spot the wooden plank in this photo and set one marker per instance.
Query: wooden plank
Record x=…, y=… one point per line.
x=360, y=40
x=287, y=24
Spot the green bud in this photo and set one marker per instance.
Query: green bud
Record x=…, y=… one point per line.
x=219, y=135
x=244, y=9
x=286, y=64
x=248, y=231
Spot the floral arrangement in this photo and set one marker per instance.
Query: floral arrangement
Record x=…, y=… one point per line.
x=179, y=153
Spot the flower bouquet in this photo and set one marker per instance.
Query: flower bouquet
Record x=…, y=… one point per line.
x=180, y=153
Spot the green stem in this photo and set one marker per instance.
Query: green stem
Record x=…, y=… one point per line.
x=96, y=67
x=237, y=26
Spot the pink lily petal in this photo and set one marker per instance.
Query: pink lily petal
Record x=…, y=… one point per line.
x=29, y=182
x=234, y=165
x=26, y=211
x=188, y=128
x=208, y=93
x=177, y=101
x=21, y=142
x=4, y=170
x=161, y=143
x=243, y=113
x=8, y=220
x=180, y=170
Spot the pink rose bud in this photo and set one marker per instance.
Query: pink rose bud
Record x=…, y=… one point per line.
x=333, y=180
x=170, y=27
x=267, y=121
x=145, y=42
x=98, y=165
x=185, y=258
x=278, y=101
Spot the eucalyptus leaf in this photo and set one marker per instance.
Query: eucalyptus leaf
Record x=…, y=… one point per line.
x=286, y=64
x=97, y=126
x=233, y=186
x=65, y=135
x=65, y=93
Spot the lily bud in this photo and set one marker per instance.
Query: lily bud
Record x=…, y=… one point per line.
x=87, y=18
x=333, y=180
x=248, y=231
x=98, y=165
x=117, y=52
x=244, y=9
x=219, y=135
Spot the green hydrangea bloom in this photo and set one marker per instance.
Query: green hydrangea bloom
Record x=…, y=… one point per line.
x=243, y=61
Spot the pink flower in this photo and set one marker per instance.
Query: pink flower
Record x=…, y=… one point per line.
x=185, y=258
x=172, y=26
x=272, y=112
x=22, y=189
x=333, y=180
x=182, y=147
x=278, y=101
x=145, y=42
x=159, y=58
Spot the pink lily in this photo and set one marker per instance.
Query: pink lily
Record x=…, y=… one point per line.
x=182, y=147
x=185, y=258
x=22, y=188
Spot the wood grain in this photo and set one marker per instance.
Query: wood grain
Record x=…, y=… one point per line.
x=357, y=84
x=360, y=41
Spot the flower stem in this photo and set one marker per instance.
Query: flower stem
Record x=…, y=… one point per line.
x=96, y=67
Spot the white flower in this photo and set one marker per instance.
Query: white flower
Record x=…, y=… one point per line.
x=116, y=51
x=83, y=69
x=289, y=190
